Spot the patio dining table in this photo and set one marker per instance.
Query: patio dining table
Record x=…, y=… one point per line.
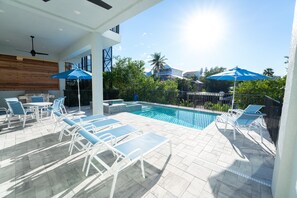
x=36, y=106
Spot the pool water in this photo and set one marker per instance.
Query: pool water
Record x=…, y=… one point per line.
x=194, y=119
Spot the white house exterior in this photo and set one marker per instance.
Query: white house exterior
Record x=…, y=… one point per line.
x=169, y=72
x=190, y=74
x=284, y=182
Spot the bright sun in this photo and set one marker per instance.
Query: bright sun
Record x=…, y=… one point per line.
x=204, y=30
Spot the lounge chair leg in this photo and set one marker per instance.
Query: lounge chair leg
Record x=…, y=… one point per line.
x=71, y=149
x=113, y=184
x=64, y=109
x=86, y=158
x=24, y=121
x=55, y=127
x=170, y=147
x=71, y=141
x=61, y=134
x=225, y=127
x=88, y=167
x=261, y=135
x=142, y=167
x=234, y=136
x=9, y=118
x=85, y=162
x=72, y=145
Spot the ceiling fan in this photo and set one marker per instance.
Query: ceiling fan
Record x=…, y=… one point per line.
x=96, y=2
x=33, y=52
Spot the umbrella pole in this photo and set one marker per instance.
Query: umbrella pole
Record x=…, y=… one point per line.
x=78, y=95
x=233, y=92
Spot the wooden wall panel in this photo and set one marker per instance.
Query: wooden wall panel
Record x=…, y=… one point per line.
x=27, y=74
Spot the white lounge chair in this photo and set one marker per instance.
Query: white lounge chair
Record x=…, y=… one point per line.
x=71, y=124
x=240, y=120
x=251, y=109
x=113, y=136
x=91, y=127
x=127, y=153
x=16, y=109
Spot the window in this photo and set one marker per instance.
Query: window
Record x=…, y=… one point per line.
x=86, y=63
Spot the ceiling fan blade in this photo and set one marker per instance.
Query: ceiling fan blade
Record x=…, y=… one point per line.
x=32, y=37
x=101, y=4
x=22, y=50
x=40, y=53
x=97, y=2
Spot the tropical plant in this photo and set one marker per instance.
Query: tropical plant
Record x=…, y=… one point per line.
x=214, y=85
x=128, y=78
x=268, y=72
x=186, y=103
x=216, y=107
x=158, y=62
x=272, y=88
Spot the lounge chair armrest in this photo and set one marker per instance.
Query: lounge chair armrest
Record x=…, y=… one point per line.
x=87, y=125
x=81, y=120
x=3, y=109
x=108, y=137
x=237, y=111
x=134, y=152
x=138, y=132
x=255, y=114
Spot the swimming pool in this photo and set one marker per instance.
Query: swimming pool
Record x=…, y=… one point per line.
x=194, y=119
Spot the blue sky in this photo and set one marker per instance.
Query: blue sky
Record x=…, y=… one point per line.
x=194, y=34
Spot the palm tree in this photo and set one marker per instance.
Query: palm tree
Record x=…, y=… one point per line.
x=268, y=72
x=158, y=62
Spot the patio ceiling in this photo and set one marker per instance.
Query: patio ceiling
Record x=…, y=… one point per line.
x=59, y=23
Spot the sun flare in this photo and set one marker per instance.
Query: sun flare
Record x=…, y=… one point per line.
x=204, y=30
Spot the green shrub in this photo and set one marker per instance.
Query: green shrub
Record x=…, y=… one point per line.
x=216, y=107
x=185, y=103
x=208, y=105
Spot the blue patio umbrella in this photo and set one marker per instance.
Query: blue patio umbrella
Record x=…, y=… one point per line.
x=74, y=74
x=237, y=74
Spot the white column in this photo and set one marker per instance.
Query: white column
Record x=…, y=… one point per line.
x=62, y=81
x=285, y=166
x=97, y=79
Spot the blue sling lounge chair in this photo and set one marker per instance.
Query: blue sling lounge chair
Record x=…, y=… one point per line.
x=127, y=153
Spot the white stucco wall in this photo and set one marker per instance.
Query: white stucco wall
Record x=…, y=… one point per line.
x=285, y=167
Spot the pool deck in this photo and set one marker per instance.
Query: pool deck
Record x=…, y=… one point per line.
x=206, y=163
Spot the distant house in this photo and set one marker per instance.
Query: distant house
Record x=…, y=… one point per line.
x=190, y=74
x=167, y=73
x=148, y=74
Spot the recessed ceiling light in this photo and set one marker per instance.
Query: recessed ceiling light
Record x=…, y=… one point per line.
x=60, y=29
x=7, y=40
x=76, y=12
x=2, y=11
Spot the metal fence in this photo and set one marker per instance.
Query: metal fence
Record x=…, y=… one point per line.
x=71, y=99
x=273, y=111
